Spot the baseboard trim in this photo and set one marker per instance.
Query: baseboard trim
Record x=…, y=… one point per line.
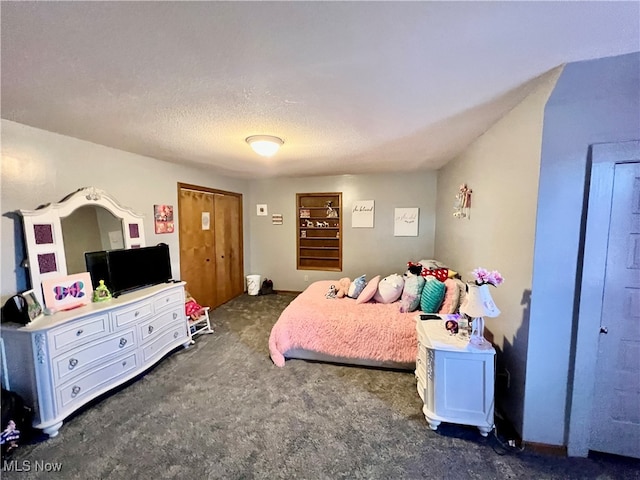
x=546, y=449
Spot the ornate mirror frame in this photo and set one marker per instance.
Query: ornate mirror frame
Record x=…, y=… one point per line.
x=43, y=232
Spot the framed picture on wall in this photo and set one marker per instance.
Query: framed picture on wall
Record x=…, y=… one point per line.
x=405, y=222
x=262, y=210
x=362, y=214
x=163, y=218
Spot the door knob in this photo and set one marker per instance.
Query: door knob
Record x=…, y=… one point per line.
x=604, y=330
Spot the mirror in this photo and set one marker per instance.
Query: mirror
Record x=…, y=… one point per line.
x=58, y=234
x=88, y=229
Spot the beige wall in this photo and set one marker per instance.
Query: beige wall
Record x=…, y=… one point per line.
x=372, y=251
x=502, y=169
x=40, y=167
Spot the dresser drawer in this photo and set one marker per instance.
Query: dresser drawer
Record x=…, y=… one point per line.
x=125, y=316
x=76, y=362
x=161, y=345
x=80, y=332
x=82, y=388
x=166, y=299
x=161, y=322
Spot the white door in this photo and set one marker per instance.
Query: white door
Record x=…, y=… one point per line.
x=615, y=419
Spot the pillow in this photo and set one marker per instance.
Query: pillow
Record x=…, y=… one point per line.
x=369, y=290
x=356, y=287
x=432, y=295
x=410, y=300
x=440, y=273
x=435, y=264
x=431, y=263
x=451, y=300
x=389, y=289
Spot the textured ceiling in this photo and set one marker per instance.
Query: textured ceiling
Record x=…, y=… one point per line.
x=351, y=87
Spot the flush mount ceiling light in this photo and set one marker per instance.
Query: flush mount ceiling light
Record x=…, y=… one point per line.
x=265, y=145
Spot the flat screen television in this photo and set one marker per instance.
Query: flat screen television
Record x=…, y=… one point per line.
x=128, y=270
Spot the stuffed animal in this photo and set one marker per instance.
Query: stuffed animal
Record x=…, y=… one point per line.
x=413, y=269
x=332, y=292
x=343, y=287
x=389, y=289
x=413, y=285
x=192, y=308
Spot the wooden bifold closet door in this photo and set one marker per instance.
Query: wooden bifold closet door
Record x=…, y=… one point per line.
x=211, y=252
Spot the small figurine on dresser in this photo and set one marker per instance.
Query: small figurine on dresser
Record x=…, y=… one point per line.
x=101, y=293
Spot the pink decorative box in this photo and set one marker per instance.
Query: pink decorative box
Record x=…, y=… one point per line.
x=71, y=291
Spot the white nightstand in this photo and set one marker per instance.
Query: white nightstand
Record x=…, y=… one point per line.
x=455, y=381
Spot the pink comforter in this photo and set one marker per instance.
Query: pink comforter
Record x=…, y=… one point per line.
x=339, y=327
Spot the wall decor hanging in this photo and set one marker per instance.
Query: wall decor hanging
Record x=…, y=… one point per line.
x=405, y=222
x=261, y=210
x=163, y=218
x=462, y=205
x=206, y=220
x=362, y=214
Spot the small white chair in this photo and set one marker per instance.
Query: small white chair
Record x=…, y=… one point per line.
x=200, y=325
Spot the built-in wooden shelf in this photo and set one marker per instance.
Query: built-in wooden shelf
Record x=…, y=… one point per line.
x=319, y=231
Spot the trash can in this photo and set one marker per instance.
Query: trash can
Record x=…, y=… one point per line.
x=253, y=284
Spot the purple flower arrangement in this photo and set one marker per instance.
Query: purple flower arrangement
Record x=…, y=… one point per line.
x=483, y=276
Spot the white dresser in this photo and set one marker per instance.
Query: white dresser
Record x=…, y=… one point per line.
x=455, y=381
x=60, y=362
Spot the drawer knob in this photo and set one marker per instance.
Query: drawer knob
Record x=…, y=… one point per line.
x=123, y=342
x=150, y=328
x=136, y=314
x=175, y=315
x=79, y=332
x=175, y=334
x=167, y=300
x=75, y=391
x=72, y=363
x=124, y=364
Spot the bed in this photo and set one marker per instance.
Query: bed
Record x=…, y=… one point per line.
x=339, y=330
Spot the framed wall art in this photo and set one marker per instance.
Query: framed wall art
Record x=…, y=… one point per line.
x=163, y=218
x=362, y=214
x=405, y=222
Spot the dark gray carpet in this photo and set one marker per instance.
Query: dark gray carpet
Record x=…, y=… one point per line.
x=222, y=410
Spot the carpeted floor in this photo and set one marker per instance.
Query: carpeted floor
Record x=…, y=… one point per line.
x=222, y=410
